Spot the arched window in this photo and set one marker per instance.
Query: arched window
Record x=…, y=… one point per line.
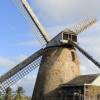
x=73, y=56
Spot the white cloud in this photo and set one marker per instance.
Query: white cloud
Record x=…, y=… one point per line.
x=56, y=8
x=22, y=57
x=53, y=31
x=65, y=10
x=89, y=69
x=5, y=62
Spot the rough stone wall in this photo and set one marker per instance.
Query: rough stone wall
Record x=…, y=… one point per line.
x=92, y=92
x=58, y=66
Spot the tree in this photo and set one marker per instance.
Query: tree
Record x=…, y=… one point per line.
x=8, y=95
x=1, y=98
x=20, y=94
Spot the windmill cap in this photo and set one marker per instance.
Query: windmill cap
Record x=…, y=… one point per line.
x=68, y=31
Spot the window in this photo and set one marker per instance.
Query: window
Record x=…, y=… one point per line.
x=73, y=56
x=74, y=38
x=65, y=36
x=70, y=37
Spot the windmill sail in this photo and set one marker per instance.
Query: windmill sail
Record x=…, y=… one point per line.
x=80, y=27
x=85, y=54
x=21, y=70
x=35, y=20
x=39, y=32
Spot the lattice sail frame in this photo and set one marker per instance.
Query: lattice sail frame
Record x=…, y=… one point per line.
x=21, y=6
x=12, y=80
x=83, y=25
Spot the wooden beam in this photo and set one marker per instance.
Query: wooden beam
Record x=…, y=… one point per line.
x=35, y=20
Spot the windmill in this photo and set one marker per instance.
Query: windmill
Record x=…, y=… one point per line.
x=58, y=60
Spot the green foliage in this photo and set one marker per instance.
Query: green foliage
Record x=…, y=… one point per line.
x=1, y=98
x=8, y=95
x=19, y=95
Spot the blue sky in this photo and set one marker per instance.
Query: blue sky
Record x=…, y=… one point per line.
x=17, y=39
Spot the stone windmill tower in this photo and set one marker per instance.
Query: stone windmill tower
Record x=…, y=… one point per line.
x=59, y=63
